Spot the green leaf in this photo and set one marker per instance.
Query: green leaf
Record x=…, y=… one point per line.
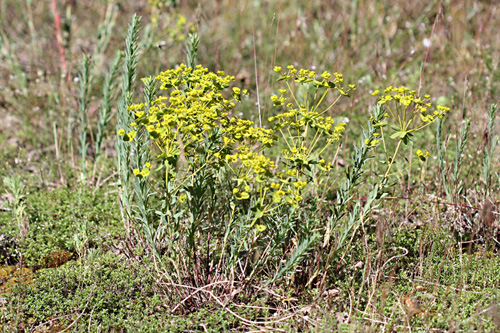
x=407, y=139
x=260, y=227
x=242, y=195
x=259, y=213
x=343, y=92
x=173, y=151
x=398, y=134
x=284, y=78
x=317, y=83
x=381, y=124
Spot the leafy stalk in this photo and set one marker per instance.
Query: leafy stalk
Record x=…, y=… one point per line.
x=105, y=107
x=192, y=49
x=84, y=79
x=124, y=149
x=141, y=185
x=489, y=148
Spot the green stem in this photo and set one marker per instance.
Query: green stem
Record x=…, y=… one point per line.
x=392, y=159
x=331, y=105
x=321, y=100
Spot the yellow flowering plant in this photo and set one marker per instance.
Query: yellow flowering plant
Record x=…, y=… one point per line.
x=201, y=147
x=217, y=174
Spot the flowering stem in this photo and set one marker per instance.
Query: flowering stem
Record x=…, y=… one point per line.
x=331, y=106
x=321, y=99
x=392, y=159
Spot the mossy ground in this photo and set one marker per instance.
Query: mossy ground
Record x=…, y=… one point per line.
x=109, y=288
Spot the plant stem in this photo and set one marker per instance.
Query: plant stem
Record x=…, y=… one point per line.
x=392, y=159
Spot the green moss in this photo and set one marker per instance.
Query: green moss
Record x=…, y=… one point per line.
x=54, y=217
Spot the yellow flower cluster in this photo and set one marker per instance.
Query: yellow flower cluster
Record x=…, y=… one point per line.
x=193, y=110
x=144, y=172
x=305, y=128
x=258, y=163
x=406, y=98
x=299, y=119
x=421, y=155
x=237, y=130
x=325, y=80
x=404, y=108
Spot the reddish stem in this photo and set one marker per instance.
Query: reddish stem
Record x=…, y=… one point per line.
x=57, y=21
